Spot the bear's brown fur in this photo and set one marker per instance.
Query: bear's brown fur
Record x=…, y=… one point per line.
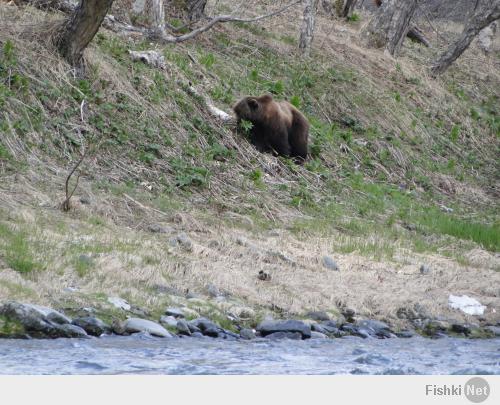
x=278, y=126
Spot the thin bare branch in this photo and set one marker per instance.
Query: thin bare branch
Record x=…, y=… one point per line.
x=66, y=206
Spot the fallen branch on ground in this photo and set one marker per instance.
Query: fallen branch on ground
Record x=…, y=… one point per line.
x=156, y=59
x=111, y=23
x=214, y=111
x=153, y=58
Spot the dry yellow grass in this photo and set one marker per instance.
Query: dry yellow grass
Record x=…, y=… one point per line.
x=229, y=258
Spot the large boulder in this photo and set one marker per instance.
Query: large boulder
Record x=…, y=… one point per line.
x=93, y=326
x=207, y=327
x=375, y=328
x=39, y=321
x=133, y=325
x=268, y=327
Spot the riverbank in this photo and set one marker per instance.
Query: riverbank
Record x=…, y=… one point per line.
x=27, y=321
x=395, y=211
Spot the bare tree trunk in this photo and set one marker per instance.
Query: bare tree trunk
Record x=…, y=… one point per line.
x=80, y=28
x=414, y=32
x=308, y=24
x=156, y=18
x=345, y=8
x=327, y=6
x=194, y=10
x=390, y=25
x=483, y=16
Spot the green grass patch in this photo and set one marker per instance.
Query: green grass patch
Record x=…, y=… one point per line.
x=16, y=250
x=488, y=236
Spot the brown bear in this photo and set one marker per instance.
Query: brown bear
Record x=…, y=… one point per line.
x=278, y=127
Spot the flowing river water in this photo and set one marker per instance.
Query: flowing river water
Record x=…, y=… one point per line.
x=142, y=354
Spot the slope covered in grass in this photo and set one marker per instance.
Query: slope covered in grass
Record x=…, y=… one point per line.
x=403, y=169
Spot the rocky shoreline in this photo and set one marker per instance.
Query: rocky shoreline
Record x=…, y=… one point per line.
x=28, y=321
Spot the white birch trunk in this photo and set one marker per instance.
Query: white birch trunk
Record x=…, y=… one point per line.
x=308, y=25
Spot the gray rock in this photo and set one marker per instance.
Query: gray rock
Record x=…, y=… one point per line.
x=57, y=317
x=330, y=324
x=247, y=334
x=183, y=327
x=207, y=327
x=375, y=328
x=133, y=325
x=37, y=320
x=285, y=335
x=318, y=335
x=212, y=332
x=330, y=264
x=157, y=228
x=268, y=327
x=424, y=269
x=318, y=316
x=316, y=327
x=183, y=241
x=405, y=334
x=93, y=326
x=85, y=200
x=197, y=334
x=175, y=312
x=72, y=331
x=495, y=330
x=213, y=291
x=169, y=321
x=354, y=330
x=193, y=329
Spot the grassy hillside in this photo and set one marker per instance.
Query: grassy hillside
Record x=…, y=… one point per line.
x=404, y=170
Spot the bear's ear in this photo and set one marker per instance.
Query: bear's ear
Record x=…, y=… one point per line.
x=253, y=103
x=266, y=98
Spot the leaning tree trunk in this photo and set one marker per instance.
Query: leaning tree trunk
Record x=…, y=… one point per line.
x=307, y=29
x=345, y=8
x=483, y=16
x=80, y=28
x=390, y=25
